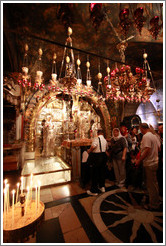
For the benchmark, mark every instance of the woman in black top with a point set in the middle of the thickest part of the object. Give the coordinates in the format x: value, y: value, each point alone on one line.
x: 118, y: 149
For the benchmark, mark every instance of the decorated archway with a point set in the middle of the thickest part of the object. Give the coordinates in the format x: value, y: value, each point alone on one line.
x: 43, y: 99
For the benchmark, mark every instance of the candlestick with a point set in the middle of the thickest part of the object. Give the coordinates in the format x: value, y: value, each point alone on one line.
x: 18, y: 185
x: 22, y: 185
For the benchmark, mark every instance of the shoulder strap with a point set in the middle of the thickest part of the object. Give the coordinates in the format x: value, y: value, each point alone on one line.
x: 100, y: 144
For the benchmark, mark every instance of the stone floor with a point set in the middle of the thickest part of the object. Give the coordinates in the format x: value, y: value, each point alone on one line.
x: 71, y: 216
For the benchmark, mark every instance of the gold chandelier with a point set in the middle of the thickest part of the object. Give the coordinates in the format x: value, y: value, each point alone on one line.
x: 120, y: 84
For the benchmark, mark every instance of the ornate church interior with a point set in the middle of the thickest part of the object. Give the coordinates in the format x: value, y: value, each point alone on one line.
x: 70, y: 69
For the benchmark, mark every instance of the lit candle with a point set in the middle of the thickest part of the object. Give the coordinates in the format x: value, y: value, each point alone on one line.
x: 22, y: 185
x: 88, y: 82
x: 54, y: 76
x: 27, y: 200
x: 39, y: 74
x: 79, y: 81
x: 31, y: 184
x: 39, y: 192
x: 89, y: 116
x: 25, y: 70
x: 13, y: 207
x: 5, y: 195
x: 18, y: 185
x: 13, y: 198
x: 5, y: 182
x: 7, y: 198
x: 4, y: 200
x: 36, y: 194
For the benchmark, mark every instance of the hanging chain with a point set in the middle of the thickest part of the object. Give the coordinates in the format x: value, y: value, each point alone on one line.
x: 109, y: 21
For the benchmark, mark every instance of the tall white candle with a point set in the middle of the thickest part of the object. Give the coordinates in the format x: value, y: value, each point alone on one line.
x: 5, y: 205
x: 27, y: 200
x: 13, y: 192
x: 36, y: 194
x: 89, y: 116
x: 31, y: 184
x: 39, y: 192
x: 4, y: 202
x: 7, y: 198
x: 5, y: 181
x: 22, y: 179
x: 27, y: 197
x: 18, y: 185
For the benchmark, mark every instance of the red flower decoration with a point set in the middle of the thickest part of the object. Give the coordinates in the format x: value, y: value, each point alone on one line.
x: 123, y: 69
x: 138, y: 70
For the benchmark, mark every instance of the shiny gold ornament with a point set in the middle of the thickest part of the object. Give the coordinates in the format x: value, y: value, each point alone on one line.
x: 40, y: 52
x: 99, y: 75
x: 54, y: 56
x: 26, y: 47
x: 88, y: 64
x: 70, y: 31
x: 78, y: 62
x: 145, y: 55
x: 67, y: 59
x: 108, y: 69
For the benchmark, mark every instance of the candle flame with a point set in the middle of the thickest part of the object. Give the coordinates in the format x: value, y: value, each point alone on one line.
x: 13, y: 191
x: 5, y: 181
x: 18, y: 184
x: 39, y: 183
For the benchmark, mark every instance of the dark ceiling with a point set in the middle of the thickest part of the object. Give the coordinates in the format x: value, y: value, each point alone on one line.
x: 50, y: 20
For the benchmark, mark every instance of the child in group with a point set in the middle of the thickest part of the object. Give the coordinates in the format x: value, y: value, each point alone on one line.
x: 135, y: 172
x: 85, y: 172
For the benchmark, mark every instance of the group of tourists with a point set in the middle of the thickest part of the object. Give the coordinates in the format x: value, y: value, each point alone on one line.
x: 135, y: 156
